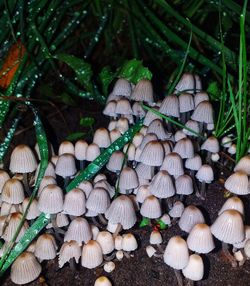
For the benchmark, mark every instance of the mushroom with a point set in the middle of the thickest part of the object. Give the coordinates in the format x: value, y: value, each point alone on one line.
x: 45, y: 247
x: 143, y: 91
x: 78, y: 230
x: 190, y: 217
x: 65, y: 167
x: 122, y: 87
x: 66, y: 147
x: 205, y: 175
x: 102, y: 281
x: 74, y: 203
x: 229, y: 228
x: 194, y: 270
x: 81, y: 147
x: 22, y: 160
x: 97, y: 203
x: 122, y: 212
x: 176, y: 256
x: 150, y: 209
x: 70, y: 251
x: 107, y: 243
x: 91, y: 254
x: 200, y: 239
x: 25, y: 269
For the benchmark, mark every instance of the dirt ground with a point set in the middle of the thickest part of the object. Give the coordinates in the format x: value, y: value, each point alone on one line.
x: 140, y: 269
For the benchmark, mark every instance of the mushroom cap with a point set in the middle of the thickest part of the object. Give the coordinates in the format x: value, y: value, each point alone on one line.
x: 81, y: 147
x: 152, y: 154
x: 106, y: 241
x: 162, y: 185
x: 200, y: 239
x: 190, y: 217
x: 203, y: 113
x: 70, y: 249
x: 205, y: 174
x: 25, y: 269
x: 101, y: 137
x: 122, y: 211
x: 238, y: 183
x: 78, y: 230
x: 51, y: 199
x: 173, y: 164
x: 186, y: 102
x: 66, y: 147
x: 151, y: 207
x: 229, y: 227
x: 184, y: 185
x: 233, y: 203
x: 74, y: 202
x: 195, y: 268
x: 176, y: 253
x: 243, y: 165
x: 143, y: 91
x: 170, y: 106
x: 102, y: 281
x: 91, y: 255
x: 22, y: 160
x: 129, y: 242
x: 65, y: 165
x: 98, y: 200
x: 211, y: 145
x: 122, y: 87
x: 184, y: 148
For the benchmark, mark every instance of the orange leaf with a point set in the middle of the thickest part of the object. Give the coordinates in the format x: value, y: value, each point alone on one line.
x: 11, y: 64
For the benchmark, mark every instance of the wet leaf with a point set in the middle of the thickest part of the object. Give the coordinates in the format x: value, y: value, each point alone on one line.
x: 105, y: 77
x: 134, y: 71
x: 214, y: 91
x: 81, y: 68
x: 87, y: 121
x: 75, y: 136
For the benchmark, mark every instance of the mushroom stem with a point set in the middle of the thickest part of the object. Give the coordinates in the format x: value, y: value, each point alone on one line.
x: 82, y: 164
x: 66, y: 181
x: 182, y: 198
x: 102, y: 219
x: 178, y: 277
x: 72, y: 264
x: 183, y: 117
x: 26, y: 184
x: 228, y: 255
x: 109, y: 257
x: 55, y: 226
x: 96, y: 222
x: 118, y: 229
x: 190, y: 282
x: 127, y: 254
x: 169, y: 203
x: 209, y: 158
x: 160, y: 248
x: 158, y: 255
x: 202, y: 193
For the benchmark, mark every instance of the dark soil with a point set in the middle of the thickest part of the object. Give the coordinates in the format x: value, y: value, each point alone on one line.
x: 139, y: 269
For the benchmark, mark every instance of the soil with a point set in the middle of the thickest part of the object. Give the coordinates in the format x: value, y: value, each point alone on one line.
x: 139, y: 269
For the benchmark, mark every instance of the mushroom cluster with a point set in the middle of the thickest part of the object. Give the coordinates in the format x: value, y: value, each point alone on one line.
x: 147, y: 181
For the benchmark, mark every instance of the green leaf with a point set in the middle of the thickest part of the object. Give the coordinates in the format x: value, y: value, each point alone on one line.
x: 75, y: 136
x: 162, y: 224
x: 87, y: 121
x: 214, y: 90
x: 67, y: 99
x: 144, y: 222
x: 105, y: 77
x: 134, y: 71
x: 82, y: 69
